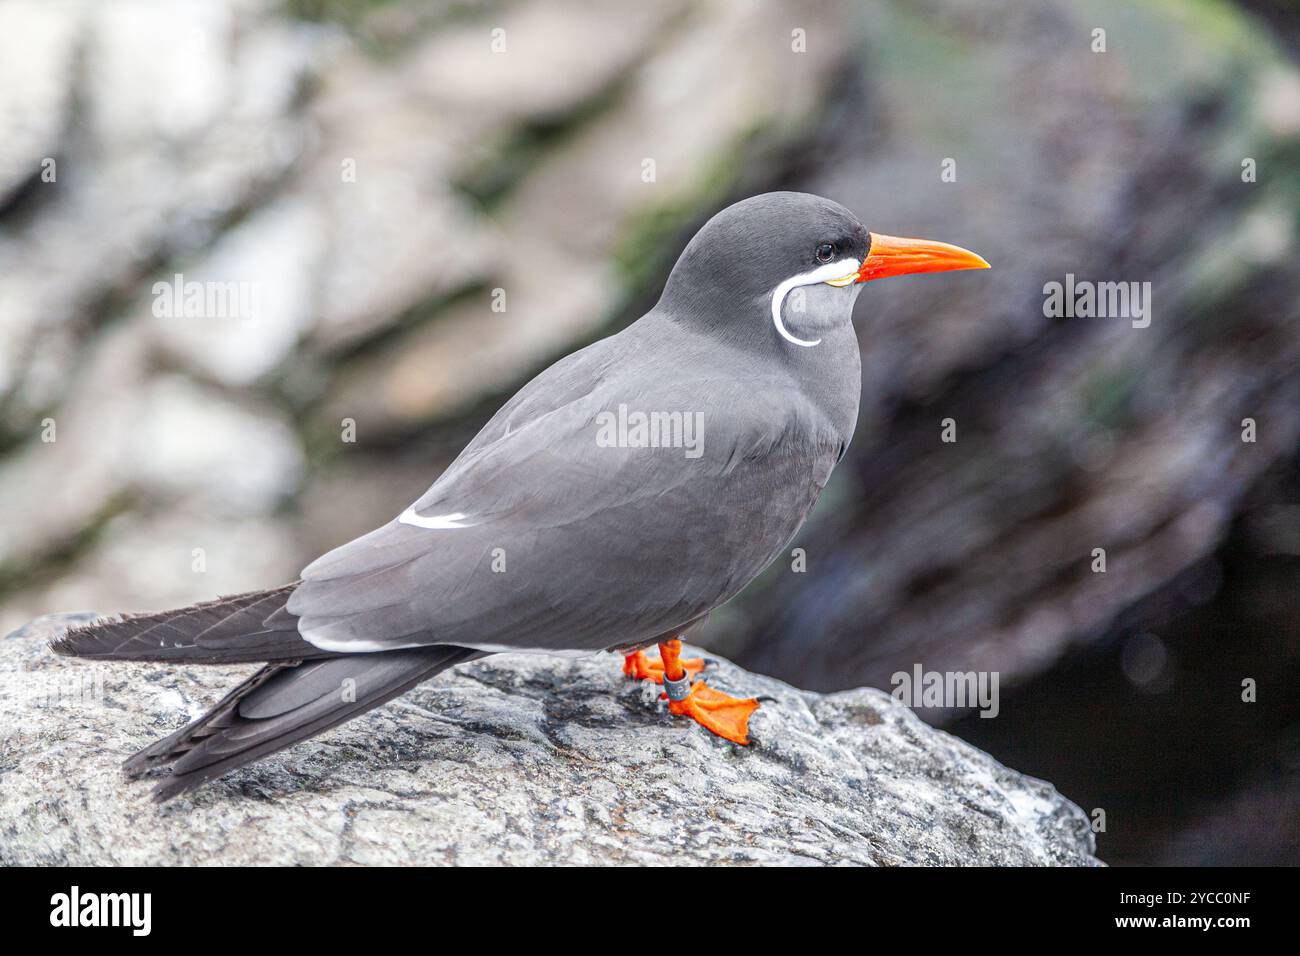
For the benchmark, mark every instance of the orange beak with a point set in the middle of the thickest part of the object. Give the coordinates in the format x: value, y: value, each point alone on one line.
x: 892, y: 256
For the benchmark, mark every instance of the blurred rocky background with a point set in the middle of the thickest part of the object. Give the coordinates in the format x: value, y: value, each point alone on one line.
x: 379, y: 178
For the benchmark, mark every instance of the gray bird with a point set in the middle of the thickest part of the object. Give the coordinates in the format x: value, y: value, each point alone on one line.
x: 617, y: 499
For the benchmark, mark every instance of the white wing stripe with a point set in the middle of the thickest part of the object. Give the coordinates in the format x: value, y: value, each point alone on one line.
x: 435, y: 522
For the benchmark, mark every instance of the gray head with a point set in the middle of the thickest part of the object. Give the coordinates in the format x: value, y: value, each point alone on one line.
x: 741, y: 256
x: 746, y: 261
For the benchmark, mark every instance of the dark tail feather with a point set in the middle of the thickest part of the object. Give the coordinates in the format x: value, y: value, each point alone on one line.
x: 242, y: 629
x: 283, y: 704
x: 166, y: 749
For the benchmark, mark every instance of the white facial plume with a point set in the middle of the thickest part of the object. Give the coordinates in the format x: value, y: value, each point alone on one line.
x: 827, y: 273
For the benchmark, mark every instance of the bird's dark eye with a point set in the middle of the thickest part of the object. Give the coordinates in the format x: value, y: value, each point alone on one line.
x: 825, y: 251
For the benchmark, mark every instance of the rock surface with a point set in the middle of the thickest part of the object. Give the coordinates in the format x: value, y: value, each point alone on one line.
x: 513, y: 759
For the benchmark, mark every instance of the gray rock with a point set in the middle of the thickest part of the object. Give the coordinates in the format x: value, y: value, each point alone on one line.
x: 37, y: 45
x: 268, y: 264
x: 513, y: 759
x: 183, y: 121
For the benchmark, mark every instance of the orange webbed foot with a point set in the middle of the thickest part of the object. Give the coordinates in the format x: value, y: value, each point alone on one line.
x: 724, y: 715
x: 640, y: 667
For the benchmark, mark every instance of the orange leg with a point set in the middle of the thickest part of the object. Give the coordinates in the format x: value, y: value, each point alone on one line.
x: 726, y: 716
x: 640, y: 667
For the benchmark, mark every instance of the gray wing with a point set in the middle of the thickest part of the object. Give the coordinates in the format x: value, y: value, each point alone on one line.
x: 541, y: 539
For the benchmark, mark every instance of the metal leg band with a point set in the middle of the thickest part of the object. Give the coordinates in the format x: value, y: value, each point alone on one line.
x: 678, y: 689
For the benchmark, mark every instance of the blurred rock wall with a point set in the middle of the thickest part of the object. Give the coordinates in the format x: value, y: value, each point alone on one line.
x: 357, y: 182
x: 1073, y: 433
